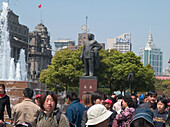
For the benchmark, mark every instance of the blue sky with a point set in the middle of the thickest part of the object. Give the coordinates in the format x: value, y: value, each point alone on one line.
x: 106, y: 18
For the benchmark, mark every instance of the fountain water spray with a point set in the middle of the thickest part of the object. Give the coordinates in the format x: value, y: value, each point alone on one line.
x: 23, y: 65
x: 7, y: 65
x: 12, y: 70
x: 5, y: 49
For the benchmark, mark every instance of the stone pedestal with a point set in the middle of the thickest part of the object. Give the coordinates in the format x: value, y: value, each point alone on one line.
x: 87, y: 84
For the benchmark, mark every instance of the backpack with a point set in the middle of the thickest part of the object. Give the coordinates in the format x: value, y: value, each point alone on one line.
x: 58, y: 115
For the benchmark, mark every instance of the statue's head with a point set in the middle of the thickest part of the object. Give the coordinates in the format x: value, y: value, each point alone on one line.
x: 90, y: 36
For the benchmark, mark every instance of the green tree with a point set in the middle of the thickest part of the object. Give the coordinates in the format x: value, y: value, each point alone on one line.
x: 65, y: 70
x: 115, y: 68
x: 162, y: 85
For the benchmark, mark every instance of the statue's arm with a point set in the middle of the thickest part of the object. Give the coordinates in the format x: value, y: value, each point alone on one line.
x: 97, y: 45
x: 82, y: 53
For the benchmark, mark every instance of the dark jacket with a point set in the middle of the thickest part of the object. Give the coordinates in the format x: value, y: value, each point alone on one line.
x: 84, y: 119
x: 112, y: 117
x: 4, y: 101
x: 147, y: 105
x: 74, y: 112
x: 159, y: 119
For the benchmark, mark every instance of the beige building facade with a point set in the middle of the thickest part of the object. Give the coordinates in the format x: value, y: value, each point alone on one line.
x: 122, y: 43
x: 39, y: 52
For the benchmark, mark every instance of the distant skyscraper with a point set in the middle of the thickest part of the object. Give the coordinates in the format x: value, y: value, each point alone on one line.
x: 122, y: 43
x: 63, y: 43
x: 152, y: 55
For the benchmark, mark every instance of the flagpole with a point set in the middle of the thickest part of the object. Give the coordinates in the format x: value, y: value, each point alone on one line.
x: 40, y: 7
x: 41, y: 13
x: 16, y: 6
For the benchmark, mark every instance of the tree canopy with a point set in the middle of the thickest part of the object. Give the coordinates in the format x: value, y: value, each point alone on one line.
x: 66, y: 69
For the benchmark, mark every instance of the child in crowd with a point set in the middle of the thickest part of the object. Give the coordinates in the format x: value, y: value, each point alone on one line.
x: 37, y: 99
x: 160, y: 114
x: 108, y: 104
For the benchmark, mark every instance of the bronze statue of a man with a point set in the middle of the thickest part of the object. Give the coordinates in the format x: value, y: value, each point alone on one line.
x: 90, y: 55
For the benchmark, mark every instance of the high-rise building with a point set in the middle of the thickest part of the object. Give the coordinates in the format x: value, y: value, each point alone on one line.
x: 152, y: 55
x: 122, y: 43
x: 63, y: 43
x: 39, y: 52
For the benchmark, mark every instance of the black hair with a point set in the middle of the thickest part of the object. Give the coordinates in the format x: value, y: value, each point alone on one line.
x: 145, y: 96
x: 44, y: 95
x: 94, y: 97
x: 163, y: 95
x: 28, y: 93
x: 140, y: 123
x: 163, y: 100
x: 3, y: 86
x: 119, y: 96
x: 134, y: 95
x: 129, y: 101
x: 152, y: 92
x: 103, y: 95
x: 72, y: 96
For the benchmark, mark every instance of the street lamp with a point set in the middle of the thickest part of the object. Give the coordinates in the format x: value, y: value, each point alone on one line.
x: 130, y: 79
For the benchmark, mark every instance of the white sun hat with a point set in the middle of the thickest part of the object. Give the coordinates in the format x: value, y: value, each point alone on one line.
x: 97, y: 114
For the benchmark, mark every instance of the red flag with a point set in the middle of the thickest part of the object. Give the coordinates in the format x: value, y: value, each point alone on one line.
x: 39, y: 6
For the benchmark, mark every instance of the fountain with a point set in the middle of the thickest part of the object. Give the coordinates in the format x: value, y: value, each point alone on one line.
x: 5, y: 51
x: 13, y: 75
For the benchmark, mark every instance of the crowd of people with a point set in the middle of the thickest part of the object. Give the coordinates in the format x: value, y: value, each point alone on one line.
x: 94, y: 109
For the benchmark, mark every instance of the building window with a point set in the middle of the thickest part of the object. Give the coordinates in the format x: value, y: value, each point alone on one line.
x: 15, y: 28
